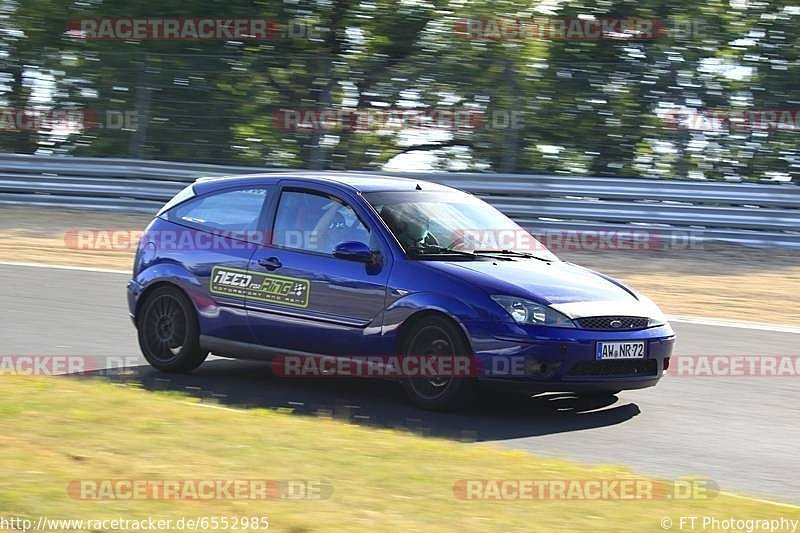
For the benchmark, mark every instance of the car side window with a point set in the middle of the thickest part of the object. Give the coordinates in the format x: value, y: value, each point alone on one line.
x: 235, y: 210
x: 315, y: 222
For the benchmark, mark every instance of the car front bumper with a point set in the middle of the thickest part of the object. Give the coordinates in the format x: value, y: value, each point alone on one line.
x: 558, y: 359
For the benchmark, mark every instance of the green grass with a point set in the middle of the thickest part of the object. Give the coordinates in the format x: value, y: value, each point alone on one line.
x: 56, y: 430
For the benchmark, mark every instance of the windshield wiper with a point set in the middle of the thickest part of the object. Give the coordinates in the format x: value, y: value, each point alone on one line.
x: 513, y: 253
x: 432, y: 249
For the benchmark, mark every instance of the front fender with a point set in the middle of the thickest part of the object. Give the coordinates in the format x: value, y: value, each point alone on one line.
x: 404, y: 308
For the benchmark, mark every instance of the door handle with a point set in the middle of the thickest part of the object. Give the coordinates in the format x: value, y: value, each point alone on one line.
x: 270, y: 263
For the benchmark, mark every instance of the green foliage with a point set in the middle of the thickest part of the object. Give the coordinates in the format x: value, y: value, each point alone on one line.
x: 580, y: 106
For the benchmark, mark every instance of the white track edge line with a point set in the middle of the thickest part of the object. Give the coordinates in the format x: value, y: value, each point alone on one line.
x: 705, y: 321
x: 727, y: 323
x: 65, y: 267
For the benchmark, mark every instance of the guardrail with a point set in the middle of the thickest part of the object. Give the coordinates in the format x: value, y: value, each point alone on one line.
x: 745, y: 213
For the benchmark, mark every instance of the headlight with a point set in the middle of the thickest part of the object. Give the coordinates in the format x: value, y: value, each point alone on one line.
x: 657, y: 318
x: 528, y: 312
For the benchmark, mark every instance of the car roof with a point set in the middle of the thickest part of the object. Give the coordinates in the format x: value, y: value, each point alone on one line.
x: 361, y: 182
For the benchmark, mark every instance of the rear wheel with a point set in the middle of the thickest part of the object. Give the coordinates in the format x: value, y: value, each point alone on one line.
x: 169, y: 336
x: 431, y: 337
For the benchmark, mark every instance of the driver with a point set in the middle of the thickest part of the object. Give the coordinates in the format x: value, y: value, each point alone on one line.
x: 409, y: 225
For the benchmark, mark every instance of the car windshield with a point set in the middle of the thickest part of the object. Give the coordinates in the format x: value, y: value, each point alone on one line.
x: 428, y: 223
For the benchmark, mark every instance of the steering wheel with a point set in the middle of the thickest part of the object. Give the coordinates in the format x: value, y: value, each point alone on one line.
x: 336, y: 226
x: 337, y: 222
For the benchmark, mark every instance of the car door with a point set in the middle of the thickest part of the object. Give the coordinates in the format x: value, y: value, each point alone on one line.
x: 319, y: 303
x: 213, y: 236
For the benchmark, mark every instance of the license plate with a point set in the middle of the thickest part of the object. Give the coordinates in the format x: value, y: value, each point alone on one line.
x: 620, y: 350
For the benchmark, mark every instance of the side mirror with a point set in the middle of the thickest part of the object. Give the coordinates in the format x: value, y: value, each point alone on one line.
x: 354, y: 251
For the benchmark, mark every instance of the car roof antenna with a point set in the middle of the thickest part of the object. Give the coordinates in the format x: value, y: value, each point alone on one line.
x: 418, y: 187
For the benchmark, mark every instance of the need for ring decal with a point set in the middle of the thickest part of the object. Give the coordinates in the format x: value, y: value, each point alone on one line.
x: 269, y: 288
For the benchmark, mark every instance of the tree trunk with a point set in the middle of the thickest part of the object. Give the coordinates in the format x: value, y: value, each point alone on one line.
x: 136, y: 147
x: 22, y: 142
x: 511, y: 133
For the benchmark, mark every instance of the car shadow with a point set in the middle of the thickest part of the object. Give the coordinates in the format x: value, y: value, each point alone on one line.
x: 495, y: 415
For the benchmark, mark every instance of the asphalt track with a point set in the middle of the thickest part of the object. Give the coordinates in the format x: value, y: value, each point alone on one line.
x: 742, y: 433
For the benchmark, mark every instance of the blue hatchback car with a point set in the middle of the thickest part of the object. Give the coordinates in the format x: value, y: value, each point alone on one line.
x: 342, y: 265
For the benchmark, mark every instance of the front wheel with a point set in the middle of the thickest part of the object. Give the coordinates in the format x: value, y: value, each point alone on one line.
x: 169, y: 336
x: 431, y: 337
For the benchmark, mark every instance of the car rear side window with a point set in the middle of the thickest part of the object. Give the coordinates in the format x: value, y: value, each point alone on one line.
x: 235, y: 210
x: 316, y: 222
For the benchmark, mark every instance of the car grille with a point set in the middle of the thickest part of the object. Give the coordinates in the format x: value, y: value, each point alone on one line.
x: 619, y: 322
x: 615, y: 367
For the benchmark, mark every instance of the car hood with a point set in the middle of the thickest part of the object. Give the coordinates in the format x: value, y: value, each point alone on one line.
x: 571, y: 289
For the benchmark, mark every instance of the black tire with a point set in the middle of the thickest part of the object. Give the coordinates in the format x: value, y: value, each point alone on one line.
x: 169, y: 336
x: 436, y: 335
